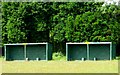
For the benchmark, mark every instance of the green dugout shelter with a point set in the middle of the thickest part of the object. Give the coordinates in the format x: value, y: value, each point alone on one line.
x: 28, y: 51
x: 90, y: 51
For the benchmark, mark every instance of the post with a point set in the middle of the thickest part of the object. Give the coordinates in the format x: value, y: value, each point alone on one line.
x: 94, y: 59
x: 66, y: 52
x: 25, y: 52
x: 111, y: 51
x: 37, y: 59
x: 46, y: 51
x: 83, y: 59
x: 5, y: 52
x: 88, y: 51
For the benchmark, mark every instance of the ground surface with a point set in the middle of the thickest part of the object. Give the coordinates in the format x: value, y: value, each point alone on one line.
x: 60, y: 66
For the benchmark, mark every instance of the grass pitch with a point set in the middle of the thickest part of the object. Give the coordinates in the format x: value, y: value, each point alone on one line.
x: 60, y: 66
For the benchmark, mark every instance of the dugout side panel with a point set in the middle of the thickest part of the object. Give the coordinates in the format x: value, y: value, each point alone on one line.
x: 114, y: 51
x: 49, y: 52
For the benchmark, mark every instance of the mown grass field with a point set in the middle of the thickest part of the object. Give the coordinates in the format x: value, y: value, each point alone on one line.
x: 60, y: 66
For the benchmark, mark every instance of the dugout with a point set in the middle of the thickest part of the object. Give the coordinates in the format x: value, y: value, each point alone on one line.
x: 28, y: 51
x: 90, y: 51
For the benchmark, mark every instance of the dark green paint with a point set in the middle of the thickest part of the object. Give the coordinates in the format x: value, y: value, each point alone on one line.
x: 33, y: 51
x: 49, y: 51
x: 77, y: 52
x: 114, y: 51
x: 36, y: 51
x: 15, y: 52
x: 99, y: 51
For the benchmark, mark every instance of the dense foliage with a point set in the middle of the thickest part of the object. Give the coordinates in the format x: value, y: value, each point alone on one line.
x: 60, y: 22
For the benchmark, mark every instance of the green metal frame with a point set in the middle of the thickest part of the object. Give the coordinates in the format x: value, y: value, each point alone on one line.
x: 88, y: 53
x: 25, y: 52
x: 111, y: 55
x: 111, y: 51
x: 48, y: 53
x: 5, y: 51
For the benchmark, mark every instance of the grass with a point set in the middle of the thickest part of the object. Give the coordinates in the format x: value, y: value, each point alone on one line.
x: 60, y: 66
x: 58, y: 56
x: 118, y: 58
x: 1, y: 58
x: 55, y: 66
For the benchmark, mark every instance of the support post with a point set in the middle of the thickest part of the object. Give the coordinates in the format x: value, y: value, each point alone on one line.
x: 111, y: 51
x: 25, y: 52
x: 66, y: 52
x: 5, y: 53
x: 88, y: 52
x: 46, y: 51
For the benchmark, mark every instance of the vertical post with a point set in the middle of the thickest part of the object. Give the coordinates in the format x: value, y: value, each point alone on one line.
x: 111, y: 51
x: 46, y: 51
x: 66, y: 52
x: 5, y: 52
x: 88, y: 52
x: 25, y: 51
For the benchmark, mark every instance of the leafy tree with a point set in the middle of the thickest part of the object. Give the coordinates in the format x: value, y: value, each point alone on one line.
x: 59, y: 22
